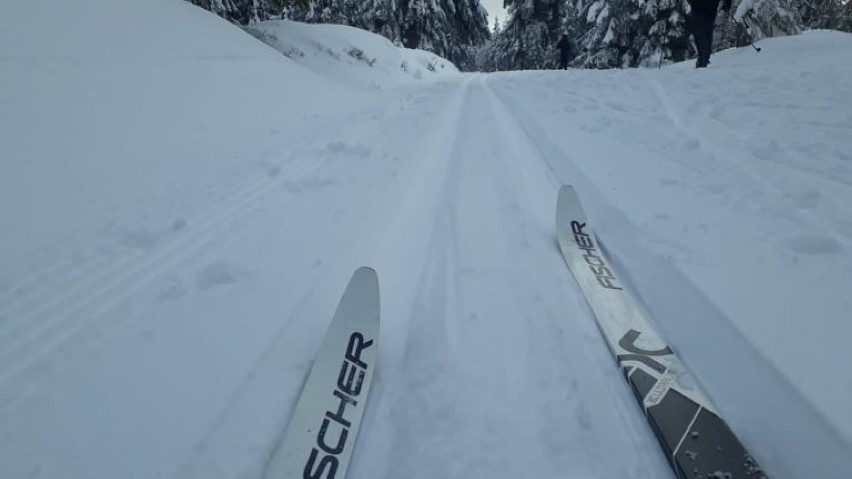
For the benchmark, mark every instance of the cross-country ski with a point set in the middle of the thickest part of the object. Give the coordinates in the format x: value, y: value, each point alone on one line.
x: 697, y: 442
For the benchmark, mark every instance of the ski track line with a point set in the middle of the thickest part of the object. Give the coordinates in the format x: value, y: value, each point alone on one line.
x: 94, y: 274
x: 238, y: 397
x: 228, y: 184
x: 409, y: 212
x: 452, y: 283
x: 791, y: 212
x: 216, y: 431
x: 192, y: 202
x: 200, y: 200
x: 55, y: 270
x: 247, y: 184
x: 648, y: 459
x: 440, y: 295
x: 149, y: 270
x: 125, y: 269
x: 21, y: 292
x: 88, y: 332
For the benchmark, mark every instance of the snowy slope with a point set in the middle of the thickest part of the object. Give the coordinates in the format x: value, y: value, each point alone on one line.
x: 352, y: 56
x: 182, y: 207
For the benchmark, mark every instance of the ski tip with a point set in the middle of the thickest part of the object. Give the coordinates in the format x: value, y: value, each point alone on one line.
x: 566, y: 191
x: 362, y: 292
x: 566, y: 203
x: 367, y: 273
x: 365, y: 279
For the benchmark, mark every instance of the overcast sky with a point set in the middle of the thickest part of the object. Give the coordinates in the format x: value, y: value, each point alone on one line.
x: 495, y: 9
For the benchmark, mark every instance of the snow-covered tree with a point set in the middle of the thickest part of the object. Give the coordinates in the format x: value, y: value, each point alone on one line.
x: 768, y: 18
x: 604, y: 33
x: 846, y: 17
x: 627, y: 33
x: 529, y: 38
x: 345, y: 12
x: 238, y: 11
x: 453, y: 29
x: 826, y: 14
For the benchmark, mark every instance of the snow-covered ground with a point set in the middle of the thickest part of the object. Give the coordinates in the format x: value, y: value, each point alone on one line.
x: 182, y: 206
x: 351, y: 56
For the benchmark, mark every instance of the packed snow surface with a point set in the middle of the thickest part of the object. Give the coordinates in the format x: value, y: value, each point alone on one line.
x: 182, y: 206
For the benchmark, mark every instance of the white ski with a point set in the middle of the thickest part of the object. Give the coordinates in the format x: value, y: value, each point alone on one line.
x: 696, y: 441
x: 320, y: 437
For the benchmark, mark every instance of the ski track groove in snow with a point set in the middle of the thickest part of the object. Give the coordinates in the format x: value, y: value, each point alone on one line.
x: 78, y: 318
x: 628, y: 435
x: 61, y: 267
x: 88, y: 311
x: 494, y: 350
x: 195, y: 206
x: 62, y: 273
x: 407, y: 234
x: 383, y: 218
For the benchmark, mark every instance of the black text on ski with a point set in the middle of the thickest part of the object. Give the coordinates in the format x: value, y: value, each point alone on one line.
x: 593, y: 259
x: 323, y: 461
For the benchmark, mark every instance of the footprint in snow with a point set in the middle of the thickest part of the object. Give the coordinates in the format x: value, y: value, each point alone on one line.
x: 137, y: 238
x: 814, y: 245
x: 219, y: 273
x: 178, y: 224
x: 272, y: 170
x: 307, y: 184
x: 339, y: 147
x: 692, y: 144
x: 171, y: 288
x: 808, y: 199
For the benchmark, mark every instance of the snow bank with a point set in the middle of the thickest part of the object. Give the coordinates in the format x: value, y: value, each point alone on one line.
x: 133, y: 135
x: 350, y: 55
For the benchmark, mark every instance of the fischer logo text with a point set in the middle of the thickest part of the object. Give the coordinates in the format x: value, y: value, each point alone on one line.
x: 323, y: 461
x: 593, y: 258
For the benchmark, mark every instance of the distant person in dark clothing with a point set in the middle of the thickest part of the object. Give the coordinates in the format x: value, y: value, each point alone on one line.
x: 564, y: 51
x: 702, y: 20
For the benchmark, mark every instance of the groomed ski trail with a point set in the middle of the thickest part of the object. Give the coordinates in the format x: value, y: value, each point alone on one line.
x: 175, y: 346
x: 494, y: 386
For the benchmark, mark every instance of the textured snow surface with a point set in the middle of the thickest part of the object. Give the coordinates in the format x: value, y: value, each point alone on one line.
x: 366, y: 59
x: 181, y: 207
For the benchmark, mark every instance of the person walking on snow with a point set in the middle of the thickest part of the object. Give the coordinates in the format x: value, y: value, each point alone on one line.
x: 564, y: 46
x: 703, y: 18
